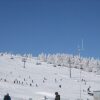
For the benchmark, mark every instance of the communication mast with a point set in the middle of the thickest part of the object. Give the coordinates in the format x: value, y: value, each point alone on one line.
x: 80, y: 49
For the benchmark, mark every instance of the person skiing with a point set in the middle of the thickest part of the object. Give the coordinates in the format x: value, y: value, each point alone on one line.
x: 88, y: 90
x: 57, y: 96
x: 7, y: 97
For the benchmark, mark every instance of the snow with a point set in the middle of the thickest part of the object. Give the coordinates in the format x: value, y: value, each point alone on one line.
x: 38, y: 80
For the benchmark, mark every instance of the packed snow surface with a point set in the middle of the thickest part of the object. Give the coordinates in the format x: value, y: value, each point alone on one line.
x: 37, y: 79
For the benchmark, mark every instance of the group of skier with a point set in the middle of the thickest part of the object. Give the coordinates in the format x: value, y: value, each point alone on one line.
x: 57, y: 96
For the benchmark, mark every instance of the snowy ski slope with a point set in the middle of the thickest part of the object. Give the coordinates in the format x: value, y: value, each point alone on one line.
x: 39, y: 79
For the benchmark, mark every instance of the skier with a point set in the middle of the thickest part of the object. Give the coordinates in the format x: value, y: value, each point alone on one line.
x: 7, y: 97
x: 88, y: 90
x: 59, y: 86
x: 45, y: 98
x: 57, y: 97
x: 55, y: 80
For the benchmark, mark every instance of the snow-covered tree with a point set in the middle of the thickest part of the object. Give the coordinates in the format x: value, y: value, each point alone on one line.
x: 42, y: 57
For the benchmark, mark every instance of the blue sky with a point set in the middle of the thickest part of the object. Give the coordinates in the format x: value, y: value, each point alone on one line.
x: 50, y: 26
